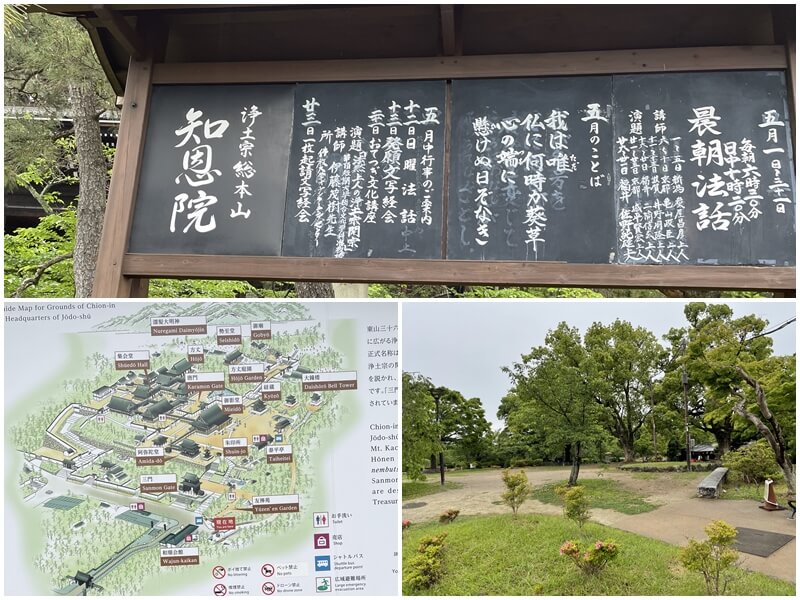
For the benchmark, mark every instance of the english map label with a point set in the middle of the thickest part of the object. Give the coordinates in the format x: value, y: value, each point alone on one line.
x: 324, y: 382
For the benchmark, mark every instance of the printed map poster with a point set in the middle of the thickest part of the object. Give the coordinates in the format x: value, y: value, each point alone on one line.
x: 237, y: 448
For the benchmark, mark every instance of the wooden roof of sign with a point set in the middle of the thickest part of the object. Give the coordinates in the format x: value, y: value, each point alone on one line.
x: 202, y: 33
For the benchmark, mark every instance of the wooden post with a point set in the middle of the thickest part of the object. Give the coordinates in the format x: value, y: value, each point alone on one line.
x: 109, y: 280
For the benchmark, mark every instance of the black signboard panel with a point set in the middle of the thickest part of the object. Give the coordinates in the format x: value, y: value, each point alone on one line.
x: 672, y: 168
x: 531, y: 171
x: 213, y: 175
x: 366, y: 171
x: 704, y: 169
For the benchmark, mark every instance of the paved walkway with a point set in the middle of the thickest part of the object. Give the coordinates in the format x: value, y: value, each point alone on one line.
x: 680, y: 514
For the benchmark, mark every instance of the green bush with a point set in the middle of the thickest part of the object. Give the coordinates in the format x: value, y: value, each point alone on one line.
x: 517, y: 489
x: 753, y: 463
x: 592, y: 559
x: 576, y: 505
x: 449, y: 515
x: 676, y: 450
x: 520, y: 462
x: 425, y: 568
x: 714, y: 558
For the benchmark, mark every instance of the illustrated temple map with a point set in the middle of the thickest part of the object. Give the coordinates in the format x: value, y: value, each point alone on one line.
x: 231, y: 448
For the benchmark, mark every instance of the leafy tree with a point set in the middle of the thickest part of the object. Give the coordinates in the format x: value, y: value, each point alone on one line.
x: 420, y: 430
x: 676, y: 450
x: 51, y: 68
x: 625, y: 360
x: 462, y: 423
x: 733, y: 359
x: 508, y: 445
x: 707, y: 411
x: 37, y: 259
x: 552, y: 392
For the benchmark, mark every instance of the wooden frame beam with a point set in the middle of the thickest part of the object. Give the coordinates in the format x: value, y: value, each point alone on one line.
x: 448, y: 26
x: 109, y: 280
x: 393, y: 270
x: 461, y: 67
x: 122, y: 31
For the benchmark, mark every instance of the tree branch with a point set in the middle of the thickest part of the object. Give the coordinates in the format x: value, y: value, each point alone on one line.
x: 31, y: 281
x: 779, y: 442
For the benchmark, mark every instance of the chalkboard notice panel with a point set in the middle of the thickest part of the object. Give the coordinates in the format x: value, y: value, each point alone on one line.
x: 213, y: 175
x: 672, y: 168
x: 366, y: 171
x: 703, y: 169
x: 531, y: 171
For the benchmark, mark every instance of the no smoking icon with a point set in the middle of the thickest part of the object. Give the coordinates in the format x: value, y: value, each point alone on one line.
x: 220, y: 590
x: 267, y: 570
x: 218, y: 572
x: 268, y: 588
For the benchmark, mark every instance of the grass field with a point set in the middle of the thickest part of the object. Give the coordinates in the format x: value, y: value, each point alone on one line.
x: 417, y: 489
x: 667, y: 476
x: 664, y: 466
x: 602, y: 493
x: 744, y: 491
x: 500, y: 555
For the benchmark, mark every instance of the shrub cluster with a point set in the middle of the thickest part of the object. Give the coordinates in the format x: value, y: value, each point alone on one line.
x: 714, y: 558
x: 753, y: 463
x: 517, y: 489
x: 449, y: 515
x: 592, y: 559
x: 425, y: 568
x: 576, y: 504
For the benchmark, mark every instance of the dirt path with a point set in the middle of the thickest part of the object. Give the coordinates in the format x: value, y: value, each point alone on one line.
x: 680, y: 514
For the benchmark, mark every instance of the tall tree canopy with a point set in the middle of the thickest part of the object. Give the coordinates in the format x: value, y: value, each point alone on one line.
x: 462, y: 423
x: 733, y: 359
x: 551, y: 391
x: 625, y: 361
x: 420, y: 430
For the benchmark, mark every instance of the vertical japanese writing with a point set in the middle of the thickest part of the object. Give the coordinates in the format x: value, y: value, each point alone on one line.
x: 520, y: 165
x: 378, y: 174
x: 483, y: 163
x: 650, y: 189
x: 244, y: 169
x: 562, y: 163
x: 197, y: 172
x: 729, y: 178
x: 779, y: 190
x: 307, y: 161
x: 598, y: 177
x: 356, y: 149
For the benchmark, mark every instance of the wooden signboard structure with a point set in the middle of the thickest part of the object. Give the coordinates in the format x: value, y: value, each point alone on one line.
x: 655, y: 168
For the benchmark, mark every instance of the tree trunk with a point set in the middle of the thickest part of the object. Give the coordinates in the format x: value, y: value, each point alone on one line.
x: 92, y: 185
x: 311, y: 289
x: 722, y: 432
x: 771, y: 431
x: 576, y: 465
x: 627, y: 449
x: 723, y: 442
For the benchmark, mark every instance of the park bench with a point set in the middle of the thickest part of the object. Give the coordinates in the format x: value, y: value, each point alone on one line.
x: 709, y: 487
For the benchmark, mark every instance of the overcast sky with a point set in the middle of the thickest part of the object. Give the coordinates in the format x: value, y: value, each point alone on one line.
x: 463, y: 344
